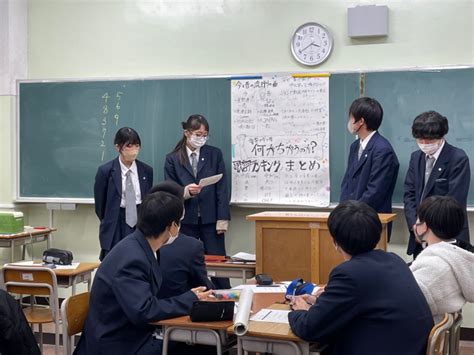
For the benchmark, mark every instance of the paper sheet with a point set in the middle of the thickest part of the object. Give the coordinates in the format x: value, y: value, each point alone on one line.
x: 210, y: 180
x: 241, y: 256
x: 241, y: 320
x: 262, y: 289
x: 73, y: 266
x: 271, y: 316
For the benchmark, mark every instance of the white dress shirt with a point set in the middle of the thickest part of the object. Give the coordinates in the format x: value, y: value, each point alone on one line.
x: 135, y: 182
x: 364, y: 142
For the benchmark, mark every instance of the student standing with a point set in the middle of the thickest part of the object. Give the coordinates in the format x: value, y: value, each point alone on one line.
x: 207, y: 209
x: 371, y: 303
x: 119, y: 187
x: 443, y: 269
x: 437, y: 168
x: 372, y: 166
x: 123, y: 299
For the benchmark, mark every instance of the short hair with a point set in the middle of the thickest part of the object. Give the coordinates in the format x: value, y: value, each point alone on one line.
x: 443, y: 215
x: 355, y: 227
x: 429, y: 125
x: 170, y: 187
x: 369, y: 109
x: 126, y: 135
x: 157, y: 211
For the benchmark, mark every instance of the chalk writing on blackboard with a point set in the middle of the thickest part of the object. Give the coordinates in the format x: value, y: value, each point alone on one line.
x: 280, y: 130
x: 105, y: 112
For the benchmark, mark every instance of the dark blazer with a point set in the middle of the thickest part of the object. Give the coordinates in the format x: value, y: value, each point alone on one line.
x: 451, y: 176
x: 213, y: 200
x: 16, y: 336
x: 124, y: 300
x: 371, y: 305
x: 371, y: 179
x: 183, y: 267
x: 108, y: 193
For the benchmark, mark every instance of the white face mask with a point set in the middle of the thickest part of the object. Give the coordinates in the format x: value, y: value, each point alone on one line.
x: 197, y: 142
x: 350, y: 127
x: 172, y: 238
x: 430, y: 148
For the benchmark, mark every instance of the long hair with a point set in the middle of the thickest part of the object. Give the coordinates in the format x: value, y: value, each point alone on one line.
x: 194, y: 122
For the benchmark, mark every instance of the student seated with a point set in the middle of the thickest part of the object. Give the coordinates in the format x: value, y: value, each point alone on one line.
x: 444, y: 268
x: 123, y: 299
x: 182, y: 261
x: 371, y: 303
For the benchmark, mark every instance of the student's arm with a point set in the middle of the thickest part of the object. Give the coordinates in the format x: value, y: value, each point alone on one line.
x: 223, y: 211
x: 459, y: 180
x: 170, y: 170
x: 100, y: 193
x: 409, y: 197
x: 334, y: 309
x: 132, y: 289
x: 198, y: 268
x: 384, y: 171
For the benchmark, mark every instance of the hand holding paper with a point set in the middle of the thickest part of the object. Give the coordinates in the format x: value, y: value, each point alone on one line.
x: 210, y: 180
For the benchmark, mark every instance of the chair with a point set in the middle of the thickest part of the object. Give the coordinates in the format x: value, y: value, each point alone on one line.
x: 35, y: 281
x: 73, y: 313
x: 438, y: 341
x: 455, y: 334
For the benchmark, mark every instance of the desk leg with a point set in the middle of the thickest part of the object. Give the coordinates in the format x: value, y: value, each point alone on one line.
x: 12, y: 250
x: 239, y: 347
x: 48, y: 241
x: 73, y: 285
x: 244, y: 277
x: 166, y: 339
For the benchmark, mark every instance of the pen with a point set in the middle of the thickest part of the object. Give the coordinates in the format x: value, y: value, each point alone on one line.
x: 265, y: 316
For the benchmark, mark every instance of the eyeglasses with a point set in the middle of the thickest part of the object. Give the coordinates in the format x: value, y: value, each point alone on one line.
x: 200, y: 135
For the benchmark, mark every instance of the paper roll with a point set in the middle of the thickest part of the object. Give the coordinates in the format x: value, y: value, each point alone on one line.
x: 241, y: 321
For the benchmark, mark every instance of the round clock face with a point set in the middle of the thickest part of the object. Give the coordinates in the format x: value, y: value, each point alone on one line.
x: 311, y: 44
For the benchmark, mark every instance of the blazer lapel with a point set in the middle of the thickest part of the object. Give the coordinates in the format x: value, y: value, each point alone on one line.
x: 421, y: 181
x: 187, y: 165
x: 438, y: 169
x: 203, y: 158
x: 365, y: 153
x: 141, y: 178
x: 117, y: 175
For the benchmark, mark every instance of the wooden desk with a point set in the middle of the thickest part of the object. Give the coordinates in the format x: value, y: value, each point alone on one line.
x: 205, y: 333
x: 24, y: 238
x: 237, y: 270
x: 274, y: 338
x: 83, y: 273
x: 298, y: 244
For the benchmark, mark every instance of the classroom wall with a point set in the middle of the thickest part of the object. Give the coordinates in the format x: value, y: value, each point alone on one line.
x: 131, y: 38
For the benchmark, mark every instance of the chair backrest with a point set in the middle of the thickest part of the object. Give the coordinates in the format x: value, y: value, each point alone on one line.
x: 73, y: 313
x: 438, y: 341
x: 34, y: 281
x: 455, y: 334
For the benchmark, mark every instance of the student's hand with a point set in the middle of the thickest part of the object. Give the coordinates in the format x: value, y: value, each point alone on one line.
x: 298, y: 303
x: 193, y: 189
x: 221, y: 226
x: 309, y: 298
x: 201, y: 292
x: 319, y: 292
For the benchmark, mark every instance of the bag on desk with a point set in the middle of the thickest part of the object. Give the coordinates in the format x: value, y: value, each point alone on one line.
x: 57, y: 256
x: 210, y: 311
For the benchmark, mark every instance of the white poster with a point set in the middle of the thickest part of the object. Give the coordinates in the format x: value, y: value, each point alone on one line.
x: 280, y: 141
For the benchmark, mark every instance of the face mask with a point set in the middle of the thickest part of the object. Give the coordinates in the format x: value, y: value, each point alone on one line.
x: 350, y: 127
x: 420, y: 237
x: 172, y: 238
x: 130, y: 155
x: 430, y: 148
x: 197, y: 142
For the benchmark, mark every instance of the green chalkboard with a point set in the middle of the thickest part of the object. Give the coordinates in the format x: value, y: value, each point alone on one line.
x: 62, y: 139
x: 67, y: 128
x: 404, y: 95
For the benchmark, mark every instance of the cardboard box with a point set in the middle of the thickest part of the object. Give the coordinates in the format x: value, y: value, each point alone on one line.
x: 11, y: 222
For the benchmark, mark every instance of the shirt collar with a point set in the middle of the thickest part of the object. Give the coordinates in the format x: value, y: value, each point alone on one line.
x: 124, y: 169
x: 189, y: 151
x: 438, y: 152
x: 364, y: 142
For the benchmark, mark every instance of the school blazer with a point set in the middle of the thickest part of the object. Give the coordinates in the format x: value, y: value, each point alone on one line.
x: 108, y: 193
x: 371, y: 179
x: 451, y: 176
x: 183, y: 267
x: 371, y: 305
x: 123, y: 300
x: 213, y: 201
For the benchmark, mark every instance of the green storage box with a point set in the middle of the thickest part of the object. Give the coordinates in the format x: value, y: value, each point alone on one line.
x: 11, y: 222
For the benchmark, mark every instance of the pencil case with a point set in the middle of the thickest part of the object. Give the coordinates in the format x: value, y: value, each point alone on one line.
x: 211, y: 311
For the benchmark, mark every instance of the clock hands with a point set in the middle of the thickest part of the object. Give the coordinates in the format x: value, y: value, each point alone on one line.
x: 309, y: 45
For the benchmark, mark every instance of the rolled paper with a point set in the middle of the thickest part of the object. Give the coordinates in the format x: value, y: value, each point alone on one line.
x: 241, y: 321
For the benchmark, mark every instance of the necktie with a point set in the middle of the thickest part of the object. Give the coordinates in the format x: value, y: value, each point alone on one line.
x: 130, y: 201
x: 429, y: 167
x: 194, y: 163
x: 359, y: 153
